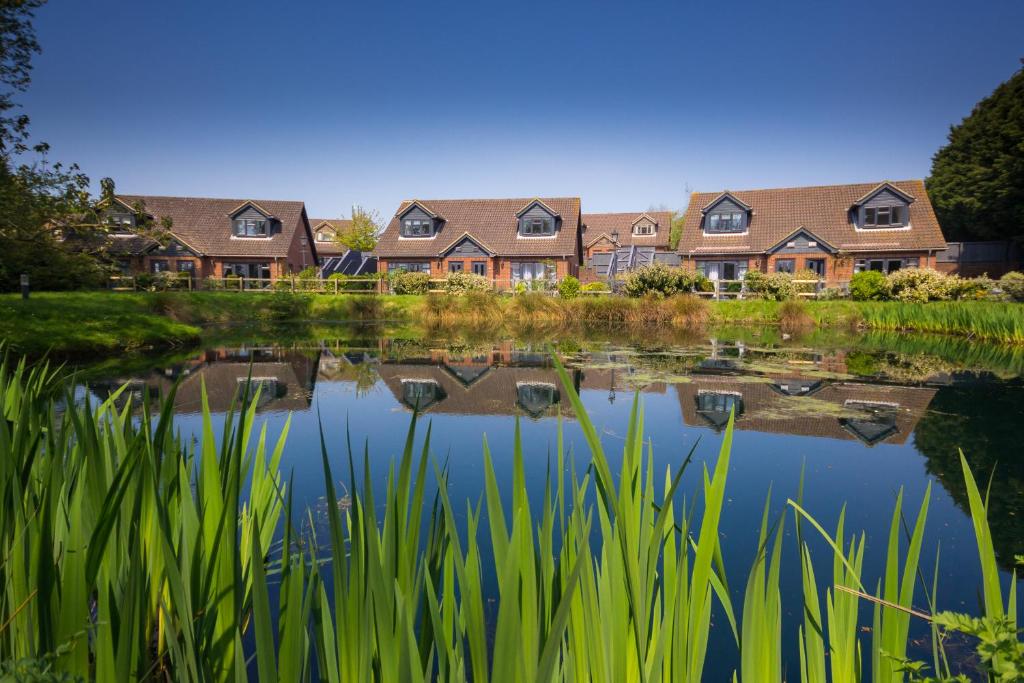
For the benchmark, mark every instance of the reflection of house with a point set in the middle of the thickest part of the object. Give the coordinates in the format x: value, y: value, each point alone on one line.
x: 871, y: 413
x: 468, y: 389
x: 285, y: 380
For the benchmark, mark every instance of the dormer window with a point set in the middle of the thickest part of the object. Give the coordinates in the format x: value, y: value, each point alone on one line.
x: 417, y: 227
x: 724, y: 221
x: 538, y: 226
x: 324, y: 236
x: 883, y: 217
x: 119, y: 222
x: 251, y: 227
x: 643, y: 229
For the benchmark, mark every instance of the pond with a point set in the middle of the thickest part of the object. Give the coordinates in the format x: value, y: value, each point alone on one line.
x: 857, y: 416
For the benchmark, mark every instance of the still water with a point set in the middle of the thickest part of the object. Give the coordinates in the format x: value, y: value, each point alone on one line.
x: 858, y: 417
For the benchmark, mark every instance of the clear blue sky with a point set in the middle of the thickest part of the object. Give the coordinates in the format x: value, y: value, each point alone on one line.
x: 625, y: 104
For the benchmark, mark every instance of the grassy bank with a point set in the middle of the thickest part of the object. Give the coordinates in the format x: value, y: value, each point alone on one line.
x: 101, y: 321
x: 130, y: 554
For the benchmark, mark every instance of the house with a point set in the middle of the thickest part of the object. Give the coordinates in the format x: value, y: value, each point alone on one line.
x: 615, y: 243
x: 334, y: 257
x: 833, y: 230
x: 505, y: 240
x: 249, y: 238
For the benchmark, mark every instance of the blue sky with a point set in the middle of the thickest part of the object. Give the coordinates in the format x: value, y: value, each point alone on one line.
x: 627, y: 105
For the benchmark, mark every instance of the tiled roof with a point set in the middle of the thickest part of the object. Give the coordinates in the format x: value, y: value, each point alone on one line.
x: 340, y: 225
x: 491, y: 222
x: 597, y: 224
x: 204, y: 224
x: 822, y: 210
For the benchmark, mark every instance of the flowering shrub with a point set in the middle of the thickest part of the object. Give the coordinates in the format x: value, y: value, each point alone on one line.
x: 771, y: 286
x: 970, y: 287
x: 659, y: 280
x: 1012, y: 285
x: 460, y: 283
x: 869, y: 285
x: 918, y: 285
x: 569, y: 287
x: 598, y: 286
x: 404, y: 282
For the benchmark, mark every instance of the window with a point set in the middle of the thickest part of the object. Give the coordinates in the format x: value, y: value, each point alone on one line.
x: 816, y: 266
x: 643, y: 229
x: 480, y: 268
x: 536, y: 397
x: 528, y: 272
x: 250, y: 227
x: 119, y: 222
x: 417, y: 227
x: 413, y: 267
x: 538, y: 226
x: 455, y: 266
x: 324, y: 236
x: 186, y: 266
x: 722, y: 270
x: 158, y: 266
x: 785, y: 265
x: 884, y: 265
x: 883, y: 216
x: 250, y: 271
x: 721, y: 221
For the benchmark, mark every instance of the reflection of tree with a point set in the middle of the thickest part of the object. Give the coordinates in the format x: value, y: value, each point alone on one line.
x: 984, y: 420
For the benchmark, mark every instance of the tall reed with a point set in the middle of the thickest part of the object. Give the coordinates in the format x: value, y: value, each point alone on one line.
x: 128, y: 554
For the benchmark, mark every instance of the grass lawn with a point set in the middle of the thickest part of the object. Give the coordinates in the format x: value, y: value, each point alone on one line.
x: 87, y: 322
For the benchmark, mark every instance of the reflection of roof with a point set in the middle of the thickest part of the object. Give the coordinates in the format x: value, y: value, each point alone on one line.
x: 494, y: 392
x: 286, y: 383
x: 872, y: 413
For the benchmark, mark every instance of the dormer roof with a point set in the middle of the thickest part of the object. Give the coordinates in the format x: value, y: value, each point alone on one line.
x: 250, y: 204
x: 642, y: 216
x: 885, y: 185
x: 537, y: 202
x: 417, y: 204
x: 822, y: 243
x: 466, y: 236
x: 723, y: 196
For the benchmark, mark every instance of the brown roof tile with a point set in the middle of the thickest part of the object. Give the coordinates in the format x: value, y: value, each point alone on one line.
x: 491, y: 222
x: 204, y: 224
x: 822, y: 210
x: 597, y: 224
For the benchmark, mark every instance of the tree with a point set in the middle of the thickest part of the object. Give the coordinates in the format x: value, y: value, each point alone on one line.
x: 977, y: 180
x: 366, y: 227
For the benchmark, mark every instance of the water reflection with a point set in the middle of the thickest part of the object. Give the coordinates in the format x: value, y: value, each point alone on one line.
x: 865, y: 396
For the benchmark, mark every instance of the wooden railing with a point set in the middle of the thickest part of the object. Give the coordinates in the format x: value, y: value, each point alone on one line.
x: 737, y: 289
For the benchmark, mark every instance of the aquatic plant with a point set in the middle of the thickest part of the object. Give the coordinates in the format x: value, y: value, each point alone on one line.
x: 127, y: 554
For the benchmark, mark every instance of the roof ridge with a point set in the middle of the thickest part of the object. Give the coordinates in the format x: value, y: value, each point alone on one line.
x: 811, y: 187
x: 218, y: 199
x: 488, y: 199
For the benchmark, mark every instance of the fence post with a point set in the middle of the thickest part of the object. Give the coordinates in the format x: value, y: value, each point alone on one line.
x: 335, y: 286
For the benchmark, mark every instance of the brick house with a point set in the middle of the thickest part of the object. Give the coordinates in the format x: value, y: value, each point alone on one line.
x: 607, y: 232
x: 505, y: 240
x: 261, y: 239
x: 325, y: 230
x: 832, y: 230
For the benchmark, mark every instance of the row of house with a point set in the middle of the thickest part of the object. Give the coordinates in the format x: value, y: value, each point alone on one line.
x: 832, y: 231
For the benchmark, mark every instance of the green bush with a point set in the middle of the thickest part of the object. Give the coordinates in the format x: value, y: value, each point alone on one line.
x: 404, y: 282
x: 771, y: 286
x: 1012, y: 285
x: 598, y: 286
x: 869, y: 285
x: 661, y: 281
x: 460, y: 283
x: 918, y: 285
x: 569, y: 287
x: 970, y: 288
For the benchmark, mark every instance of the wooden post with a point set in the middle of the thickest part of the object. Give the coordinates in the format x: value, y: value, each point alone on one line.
x: 335, y: 286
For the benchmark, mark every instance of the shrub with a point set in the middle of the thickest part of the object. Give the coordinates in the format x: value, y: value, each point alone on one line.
x: 793, y: 316
x: 598, y: 286
x: 918, y: 285
x: 1012, y: 285
x: 404, y: 282
x: 771, y: 286
x: 972, y: 288
x: 569, y: 287
x: 460, y: 283
x: 869, y: 285
x: 659, y: 280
